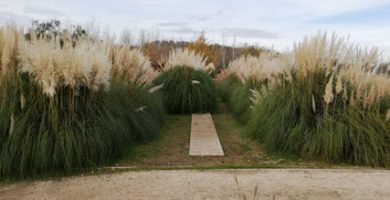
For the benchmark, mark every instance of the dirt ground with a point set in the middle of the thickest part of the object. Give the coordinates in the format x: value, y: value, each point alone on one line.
x: 171, y: 150
x: 211, y: 184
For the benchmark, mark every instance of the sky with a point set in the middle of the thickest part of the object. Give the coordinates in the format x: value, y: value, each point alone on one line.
x: 273, y: 23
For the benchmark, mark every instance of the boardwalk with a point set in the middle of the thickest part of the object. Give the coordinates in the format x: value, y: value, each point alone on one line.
x: 204, y: 137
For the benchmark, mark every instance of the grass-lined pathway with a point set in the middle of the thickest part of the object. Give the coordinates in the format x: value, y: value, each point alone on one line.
x: 204, y: 138
x: 171, y: 149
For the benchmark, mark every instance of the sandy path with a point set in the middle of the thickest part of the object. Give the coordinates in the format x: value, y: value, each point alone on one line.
x: 212, y: 184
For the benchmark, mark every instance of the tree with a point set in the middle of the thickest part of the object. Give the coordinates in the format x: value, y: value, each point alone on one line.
x: 52, y: 29
x: 200, y: 46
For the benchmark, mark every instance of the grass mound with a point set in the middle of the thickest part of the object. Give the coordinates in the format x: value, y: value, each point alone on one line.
x: 186, y: 90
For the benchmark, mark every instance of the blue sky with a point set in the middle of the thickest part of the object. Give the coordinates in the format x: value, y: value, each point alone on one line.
x: 277, y: 23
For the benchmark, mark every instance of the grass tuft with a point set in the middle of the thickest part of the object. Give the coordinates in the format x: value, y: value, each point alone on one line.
x: 186, y: 90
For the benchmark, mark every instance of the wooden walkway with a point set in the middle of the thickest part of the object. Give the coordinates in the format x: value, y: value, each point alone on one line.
x: 204, y: 137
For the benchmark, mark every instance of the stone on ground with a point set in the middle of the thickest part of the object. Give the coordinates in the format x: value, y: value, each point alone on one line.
x: 204, y: 138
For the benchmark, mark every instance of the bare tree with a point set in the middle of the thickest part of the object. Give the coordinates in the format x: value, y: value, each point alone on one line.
x: 142, y: 37
x: 126, y: 37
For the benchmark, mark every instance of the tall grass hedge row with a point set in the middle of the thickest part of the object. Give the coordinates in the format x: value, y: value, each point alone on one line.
x: 238, y: 96
x: 62, y: 109
x: 328, y: 105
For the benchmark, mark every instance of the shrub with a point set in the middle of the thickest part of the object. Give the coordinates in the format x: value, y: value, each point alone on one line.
x: 132, y: 76
x: 246, y: 75
x: 67, y: 107
x: 186, y: 90
x: 56, y: 113
x: 284, y: 121
x: 186, y: 83
x: 329, y: 106
x: 238, y: 96
x: 226, y: 85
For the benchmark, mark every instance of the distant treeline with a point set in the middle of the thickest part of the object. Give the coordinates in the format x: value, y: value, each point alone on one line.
x: 156, y: 50
x: 219, y: 55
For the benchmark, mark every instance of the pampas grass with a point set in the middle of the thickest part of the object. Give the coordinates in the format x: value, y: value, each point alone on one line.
x: 248, y: 73
x: 58, y: 119
x: 186, y: 83
x: 259, y: 68
x: 186, y: 90
x: 131, y: 66
x: 132, y: 77
x: 188, y: 58
x: 238, y: 95
x: 68, y: 106
x: 73, y: 67
x: 331, y: 107
x: 9, y: 38
x: 325, y: 101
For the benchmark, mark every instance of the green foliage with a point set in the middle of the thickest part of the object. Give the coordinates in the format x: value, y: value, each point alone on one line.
x: 72, y: 129
x: 141, y: 110
x: 52, y: 29
x: 284, y: 121
x: 226, y: 86
x: 186, y: 90
x: 238, y: 96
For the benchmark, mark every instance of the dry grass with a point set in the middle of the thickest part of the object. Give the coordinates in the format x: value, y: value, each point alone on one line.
x: 131, y: 66
x: 330, y: 105
x: 259, y: 68
x: 9, y: 43
x: 63, y: 107
x: 70, y: 66
x: 189, y: 58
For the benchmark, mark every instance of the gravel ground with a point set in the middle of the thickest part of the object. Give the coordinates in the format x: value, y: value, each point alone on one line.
x: 211, y: 184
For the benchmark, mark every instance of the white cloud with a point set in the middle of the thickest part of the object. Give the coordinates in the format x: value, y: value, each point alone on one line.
x: 275, y: 23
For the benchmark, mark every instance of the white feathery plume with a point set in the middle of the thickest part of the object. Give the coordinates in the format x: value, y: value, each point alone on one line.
x: 71, y: 66
x: 260, y: 67
x: 22, y: 101
x: 328, y: 96
x: 186, y: 58
x: 194, y: 82
x: 255, y: 96
x: 131, y: 65
x: 140, y: 109
x: 9, y: 38
x: 156, y: 88
x: 339, y: 85
x: 313, y: 104
x: 388, y: 115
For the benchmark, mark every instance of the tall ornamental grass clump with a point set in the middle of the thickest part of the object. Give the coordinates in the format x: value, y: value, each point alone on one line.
x: 246, y: 75
x: 330, y: 106
x: 9, y: 39
x: 132, y: 83
x: 53, y: 115
x: 64, y: 107
x: 186, y: 84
